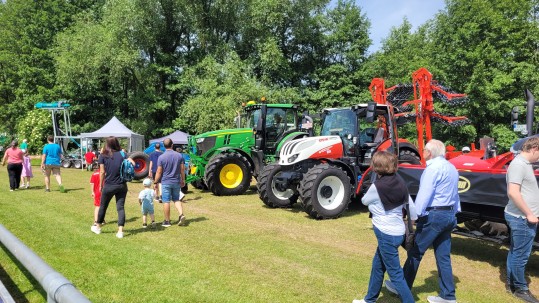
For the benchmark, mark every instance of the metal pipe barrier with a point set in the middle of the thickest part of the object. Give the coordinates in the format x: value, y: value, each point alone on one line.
x: 58, y: 288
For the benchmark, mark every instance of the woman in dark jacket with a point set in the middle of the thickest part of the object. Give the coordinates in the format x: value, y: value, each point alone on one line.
x: 111, y: 184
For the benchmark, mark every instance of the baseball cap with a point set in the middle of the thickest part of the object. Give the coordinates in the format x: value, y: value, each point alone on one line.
x: 466, y: 149
x: 147, y: 182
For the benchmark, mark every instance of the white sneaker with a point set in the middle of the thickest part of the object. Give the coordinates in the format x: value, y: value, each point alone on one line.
x: 119, y: 235
x: 95, y: 229
x: 436, y: 299
x: 359, y: 301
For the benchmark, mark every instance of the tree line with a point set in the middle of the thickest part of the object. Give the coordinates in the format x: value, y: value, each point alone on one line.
x: 162, y: 65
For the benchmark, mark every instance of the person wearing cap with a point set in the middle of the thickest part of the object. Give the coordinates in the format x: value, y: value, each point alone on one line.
x: 465, y: 150
x: 14, y: 158
x: 145, y: 199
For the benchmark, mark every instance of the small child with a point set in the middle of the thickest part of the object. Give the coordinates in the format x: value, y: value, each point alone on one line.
x: 26, y: 173
x: 96, y: 193
x: 145, y: 199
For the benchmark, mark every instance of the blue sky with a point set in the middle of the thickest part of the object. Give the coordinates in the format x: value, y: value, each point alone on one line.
x: 384, y: 14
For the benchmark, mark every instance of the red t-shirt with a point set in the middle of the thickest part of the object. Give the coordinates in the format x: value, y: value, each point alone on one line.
x: 89, y: 156
x: 94, y: 179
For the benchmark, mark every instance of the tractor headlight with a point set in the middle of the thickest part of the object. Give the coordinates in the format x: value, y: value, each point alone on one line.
x: 293, y: 158
x: 200, y: 140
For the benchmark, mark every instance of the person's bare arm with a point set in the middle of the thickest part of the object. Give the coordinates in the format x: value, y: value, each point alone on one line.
x: 513, y: 192
x: 182, y: 174
x: 158, y: 174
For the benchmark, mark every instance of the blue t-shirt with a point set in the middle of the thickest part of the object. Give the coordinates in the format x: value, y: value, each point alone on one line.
x: 153, y: 158
x: 53, y: 154
x: 170, y: 161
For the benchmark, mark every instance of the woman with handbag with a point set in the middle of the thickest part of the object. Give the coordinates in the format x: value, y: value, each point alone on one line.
x: 385, y: 199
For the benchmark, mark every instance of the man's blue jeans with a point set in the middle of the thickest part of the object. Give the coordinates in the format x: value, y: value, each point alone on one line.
x: 522, y: 235
x: 434, y: 229
x: 385, y: 259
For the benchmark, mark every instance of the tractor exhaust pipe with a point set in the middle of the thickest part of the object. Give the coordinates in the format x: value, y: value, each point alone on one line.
x: 529, y: 112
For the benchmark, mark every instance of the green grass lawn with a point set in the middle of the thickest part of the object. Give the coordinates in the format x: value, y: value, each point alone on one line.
x: 233, y: 249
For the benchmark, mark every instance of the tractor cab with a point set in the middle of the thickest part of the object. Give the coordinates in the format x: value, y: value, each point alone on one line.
x: 362, y: 128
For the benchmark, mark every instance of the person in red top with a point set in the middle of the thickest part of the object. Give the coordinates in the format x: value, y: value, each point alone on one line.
x: 89, y: 157
x: 14, y: 157
x: 96, y: 192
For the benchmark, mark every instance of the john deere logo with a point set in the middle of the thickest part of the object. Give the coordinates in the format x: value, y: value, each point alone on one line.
x: 464, y: 184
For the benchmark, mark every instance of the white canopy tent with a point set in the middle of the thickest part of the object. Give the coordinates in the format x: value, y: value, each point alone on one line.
x: 117, y: 129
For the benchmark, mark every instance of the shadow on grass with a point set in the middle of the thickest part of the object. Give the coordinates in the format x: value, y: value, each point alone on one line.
x: 10, y: 285
x: 493, y: 253
x: 159, y: 227
x: 430, y: 285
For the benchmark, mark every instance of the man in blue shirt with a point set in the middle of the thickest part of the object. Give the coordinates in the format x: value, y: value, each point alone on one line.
x: 436, y: 203
x: 171, y: 174
x: 50, y: 162
x: 153, y: 168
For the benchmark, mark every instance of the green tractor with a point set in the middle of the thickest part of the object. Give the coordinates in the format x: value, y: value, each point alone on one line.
x: 223, y: 161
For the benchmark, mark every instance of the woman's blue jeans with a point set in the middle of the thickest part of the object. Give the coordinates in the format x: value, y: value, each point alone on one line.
x: 385, y: 259
x: 522, y: 235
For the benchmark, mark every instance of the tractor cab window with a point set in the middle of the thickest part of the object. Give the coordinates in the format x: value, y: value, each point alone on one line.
x: 340, y: 123
x: 278, y: 122
x: 249, y: 119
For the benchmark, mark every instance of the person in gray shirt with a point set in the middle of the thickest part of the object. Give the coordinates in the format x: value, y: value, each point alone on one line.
x: 521, y: 214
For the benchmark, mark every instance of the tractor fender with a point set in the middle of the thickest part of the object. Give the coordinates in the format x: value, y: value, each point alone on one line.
x: 288, y: 138
x: 347, y: 169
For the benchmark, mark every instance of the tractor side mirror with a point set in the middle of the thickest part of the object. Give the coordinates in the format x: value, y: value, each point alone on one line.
x: 371, y: 111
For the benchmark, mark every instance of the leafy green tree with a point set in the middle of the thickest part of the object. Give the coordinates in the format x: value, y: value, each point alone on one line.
x: 488, y: 49
x: 34, y: 127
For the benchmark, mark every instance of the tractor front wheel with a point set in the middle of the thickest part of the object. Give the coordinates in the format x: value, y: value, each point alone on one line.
x: 269, y: 194
x: 325, y: 191
x: 228, y: 174
x: 409, y: 157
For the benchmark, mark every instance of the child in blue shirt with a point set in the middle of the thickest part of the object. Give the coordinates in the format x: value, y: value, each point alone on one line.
x: 145, y: 199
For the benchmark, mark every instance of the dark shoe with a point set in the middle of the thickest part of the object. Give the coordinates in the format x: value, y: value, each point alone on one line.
x: 525, y: 295
x: 144, y: 225
x: 509, y: 288
x: 166, y: 224
x: 181, y: 220
x: 47, y: 190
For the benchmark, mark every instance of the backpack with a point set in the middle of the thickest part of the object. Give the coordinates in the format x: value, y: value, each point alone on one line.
x: 127, y: 170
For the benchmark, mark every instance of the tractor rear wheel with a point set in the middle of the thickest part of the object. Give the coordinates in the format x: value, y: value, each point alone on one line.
x: 142, y: 164
x: 228, y: 174
x: 268, y: 193
x: 409, y: 157
x: 325, y: 191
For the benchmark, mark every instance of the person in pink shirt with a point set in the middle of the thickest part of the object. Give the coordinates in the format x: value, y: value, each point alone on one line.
x: 14, y: 157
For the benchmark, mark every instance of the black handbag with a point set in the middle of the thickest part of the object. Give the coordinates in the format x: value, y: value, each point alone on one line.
x: 409, y: 235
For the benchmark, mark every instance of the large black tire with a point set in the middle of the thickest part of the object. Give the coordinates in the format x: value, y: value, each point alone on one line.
x: 66, y: 163
x: 228, y: 174
x: 142, y: 164
x: 270, y: 195
x: 199, y: 184
x: 409, y: 157
x: 325, y: 191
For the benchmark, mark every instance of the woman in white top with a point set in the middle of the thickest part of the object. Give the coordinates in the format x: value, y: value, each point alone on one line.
x: 385, y: 199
